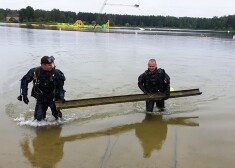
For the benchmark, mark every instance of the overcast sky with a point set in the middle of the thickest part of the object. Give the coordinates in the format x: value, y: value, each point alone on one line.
x: 178, y: 8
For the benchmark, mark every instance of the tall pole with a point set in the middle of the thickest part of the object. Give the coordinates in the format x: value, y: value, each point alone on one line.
x: 102, y: 8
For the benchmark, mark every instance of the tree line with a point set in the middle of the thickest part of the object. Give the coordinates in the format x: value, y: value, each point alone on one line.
x: 28, y: 14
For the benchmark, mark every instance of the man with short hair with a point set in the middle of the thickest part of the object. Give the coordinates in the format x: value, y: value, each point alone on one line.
x: 48, y: 83
x: 154, y: 80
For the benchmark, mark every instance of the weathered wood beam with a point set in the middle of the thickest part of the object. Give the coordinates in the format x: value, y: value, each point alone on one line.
x: 123, y: 99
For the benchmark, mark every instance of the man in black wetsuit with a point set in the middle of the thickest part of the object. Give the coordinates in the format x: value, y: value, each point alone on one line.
x: 48, y: 83
x: 154, y: 80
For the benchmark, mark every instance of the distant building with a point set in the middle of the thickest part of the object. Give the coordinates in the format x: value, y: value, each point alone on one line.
x: 12, y: 18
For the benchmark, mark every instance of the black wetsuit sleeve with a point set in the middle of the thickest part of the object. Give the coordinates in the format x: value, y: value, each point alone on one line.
x: 141, y: 82
x: 26, y: 80
x: 60, y: 84
x: 167, y: 82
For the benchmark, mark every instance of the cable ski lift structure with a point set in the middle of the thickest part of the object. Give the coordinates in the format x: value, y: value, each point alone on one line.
x: 124, y: 5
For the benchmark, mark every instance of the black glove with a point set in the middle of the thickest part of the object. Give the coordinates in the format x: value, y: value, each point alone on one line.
x: 167, y: 95
x: 25, y: 99
x: 62, y: 99
x: 20, y: 97
x: 145, y: 92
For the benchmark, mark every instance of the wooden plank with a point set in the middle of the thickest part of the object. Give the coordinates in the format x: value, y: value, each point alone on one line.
x: 123, y: 99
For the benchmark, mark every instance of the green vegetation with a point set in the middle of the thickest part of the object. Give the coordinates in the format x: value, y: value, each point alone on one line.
x: 28, y: 14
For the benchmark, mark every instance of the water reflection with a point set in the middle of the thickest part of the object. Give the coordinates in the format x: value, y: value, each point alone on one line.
x: 151, y: 131
x: 47, y: 146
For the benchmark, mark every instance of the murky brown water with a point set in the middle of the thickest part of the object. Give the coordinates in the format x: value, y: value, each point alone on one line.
x: 199, y: 132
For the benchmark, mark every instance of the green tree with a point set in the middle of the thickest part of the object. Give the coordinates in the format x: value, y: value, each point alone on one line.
x: 231, y: 22
x: 40, y: 15
x: 2, y: 14
x: 70, y: 17
x: 55, y: 15
x: 27, y: 14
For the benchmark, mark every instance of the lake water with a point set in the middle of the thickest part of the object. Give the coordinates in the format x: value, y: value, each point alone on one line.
x: 199, y: 132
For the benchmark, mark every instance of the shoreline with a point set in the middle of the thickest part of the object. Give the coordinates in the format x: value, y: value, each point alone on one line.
x: 131, y: 30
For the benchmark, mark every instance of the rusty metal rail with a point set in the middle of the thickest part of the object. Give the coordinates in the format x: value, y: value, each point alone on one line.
x: 124, y: 98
